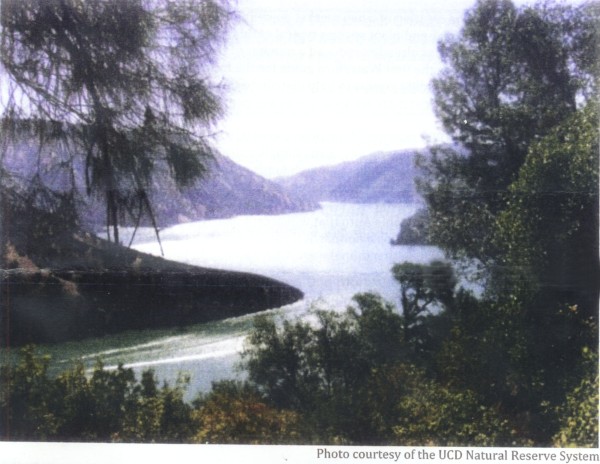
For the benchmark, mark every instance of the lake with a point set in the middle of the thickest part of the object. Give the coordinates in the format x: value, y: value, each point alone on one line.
x: 330, y: 254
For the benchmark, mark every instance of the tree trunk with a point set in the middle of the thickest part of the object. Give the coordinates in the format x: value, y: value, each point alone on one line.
x: 112, y: 214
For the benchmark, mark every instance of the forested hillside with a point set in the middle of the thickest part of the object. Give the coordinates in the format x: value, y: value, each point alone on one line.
x: 227, y: 189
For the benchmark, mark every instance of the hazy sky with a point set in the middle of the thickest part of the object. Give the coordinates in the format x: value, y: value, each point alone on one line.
x: 316, y: 82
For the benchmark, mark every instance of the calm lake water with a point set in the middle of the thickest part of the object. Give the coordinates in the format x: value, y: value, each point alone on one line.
x: 330, y: 254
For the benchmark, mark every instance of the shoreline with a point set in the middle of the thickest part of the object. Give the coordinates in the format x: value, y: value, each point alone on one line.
x: 94, y: 288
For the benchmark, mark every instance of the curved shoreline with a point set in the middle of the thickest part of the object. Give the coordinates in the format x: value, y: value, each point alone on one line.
x: 95, y: 288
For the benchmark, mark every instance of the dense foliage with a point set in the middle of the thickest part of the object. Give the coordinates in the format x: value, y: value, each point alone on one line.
x: 104, y: 405
x: 510, y: 76
x: 235, y: 413
x: 123, y: 85
x: 352, y: 379
x: 579, y: 414
x: 517, y: 197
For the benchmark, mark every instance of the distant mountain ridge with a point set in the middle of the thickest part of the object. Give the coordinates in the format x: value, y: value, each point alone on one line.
x: 377, y: 178
x: 227, y: 190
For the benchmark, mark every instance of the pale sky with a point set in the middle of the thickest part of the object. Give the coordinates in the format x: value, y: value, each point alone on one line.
x: 318, y: 82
